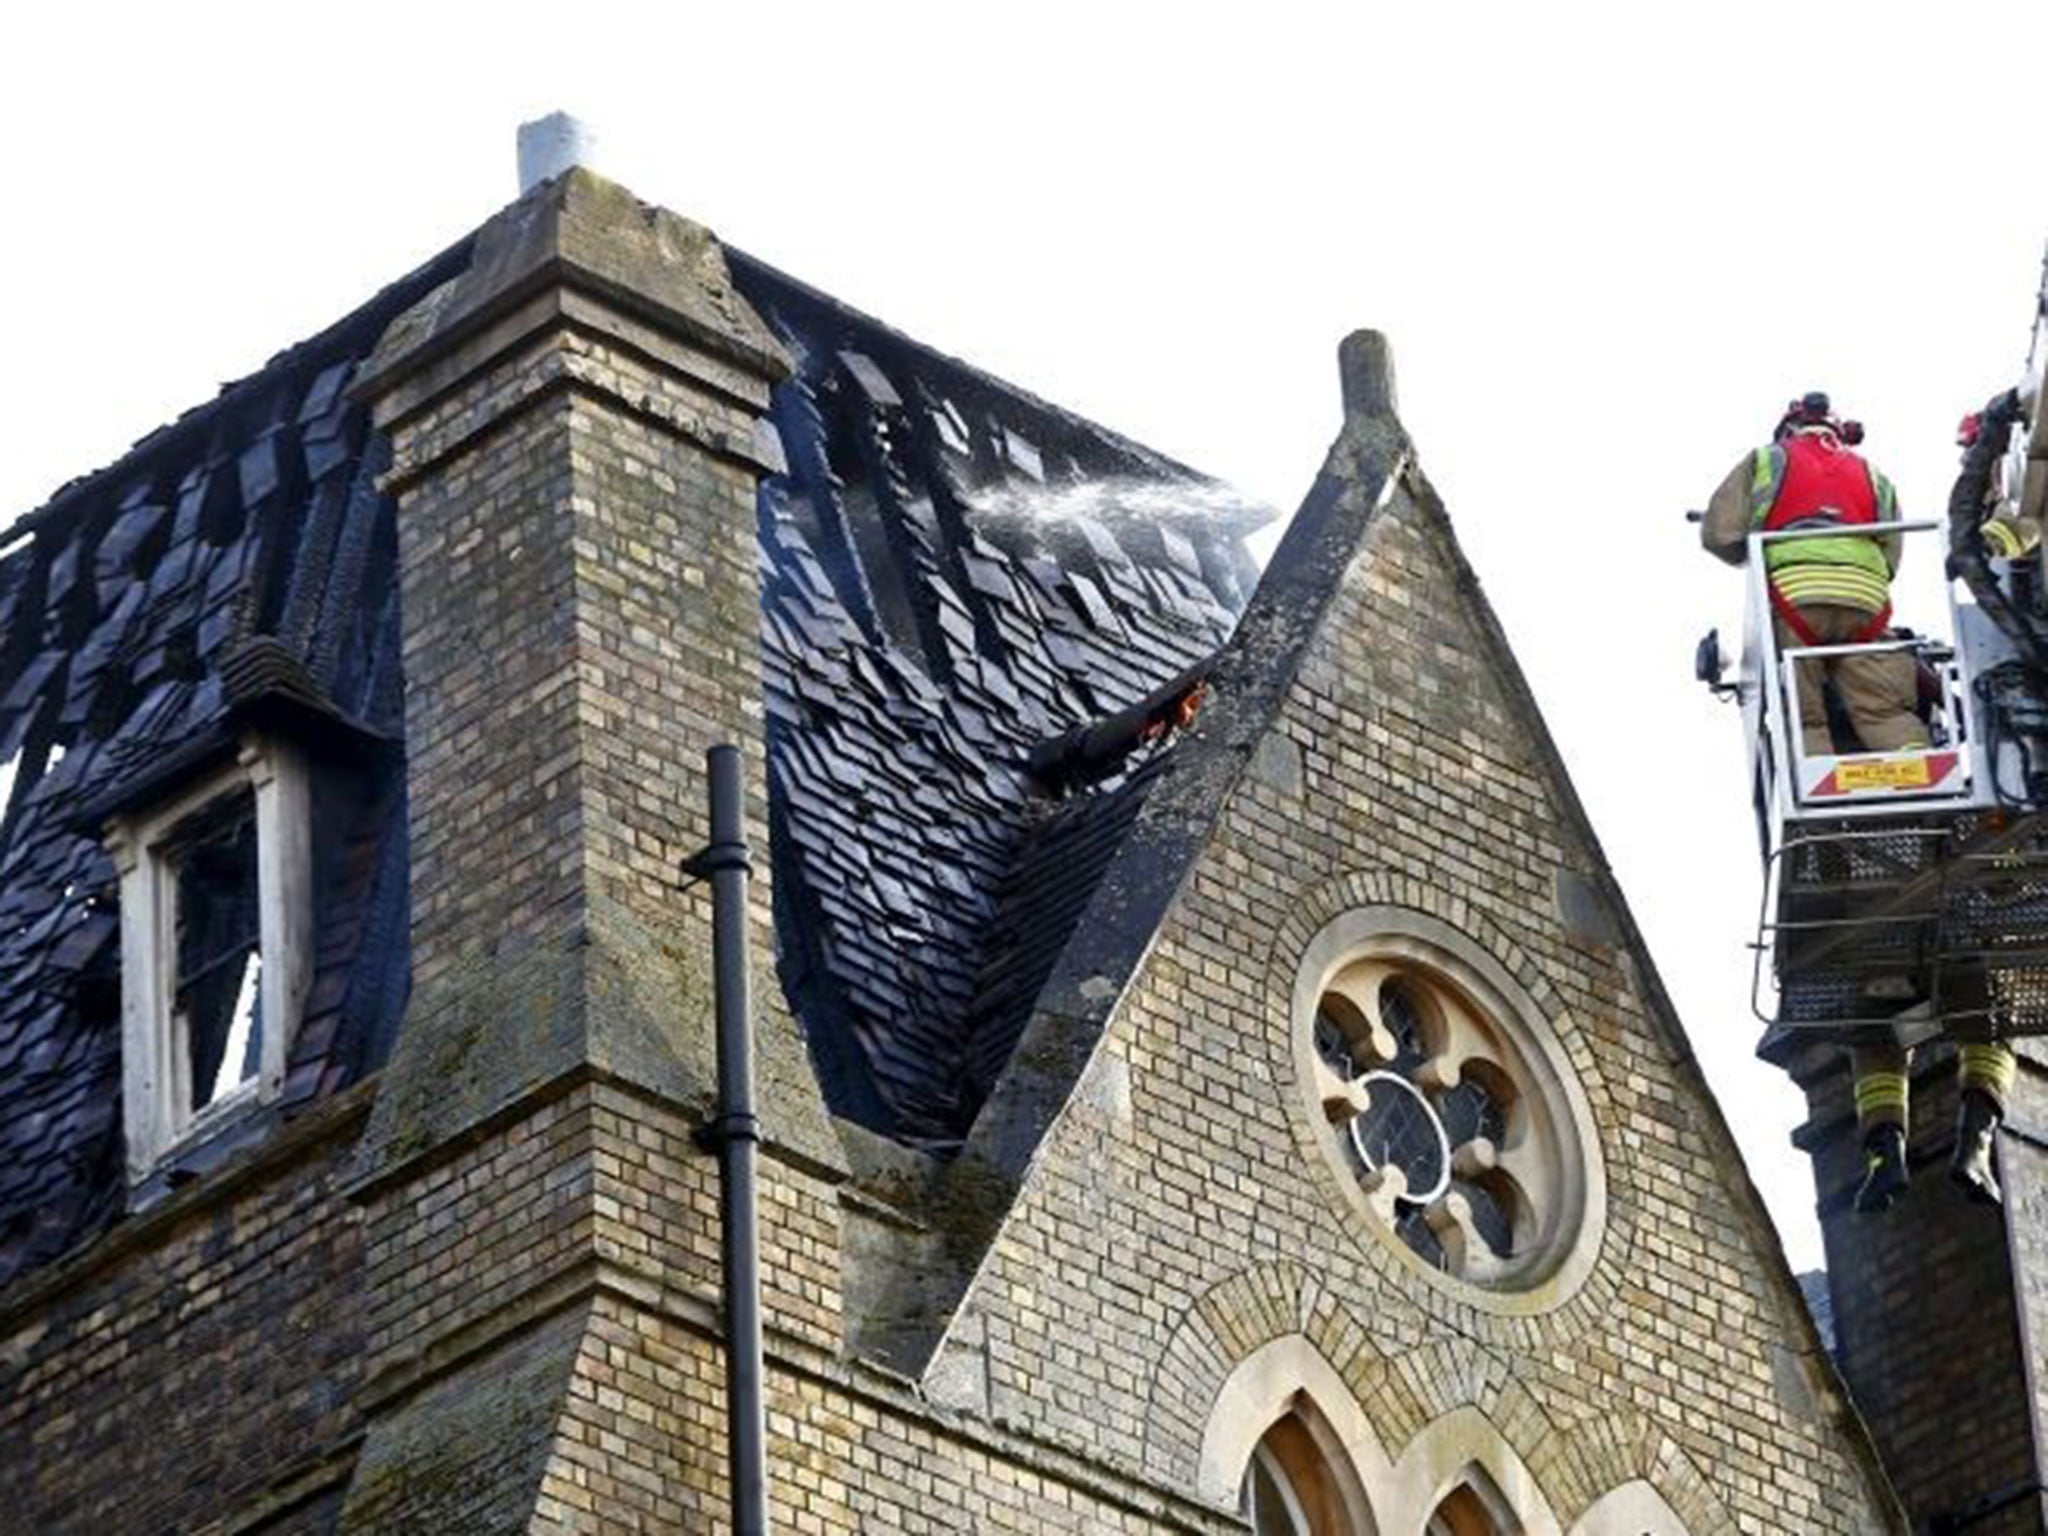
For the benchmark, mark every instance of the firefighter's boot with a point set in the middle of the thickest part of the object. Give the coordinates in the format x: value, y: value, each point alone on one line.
x: 1884, y: 1168
x: 1976, y: 1128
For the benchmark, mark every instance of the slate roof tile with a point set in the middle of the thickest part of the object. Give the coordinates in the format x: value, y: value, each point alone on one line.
x: 998, y: 631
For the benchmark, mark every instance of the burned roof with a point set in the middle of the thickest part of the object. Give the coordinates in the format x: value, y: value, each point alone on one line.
x: 953, y: 574
x: 239, y: 558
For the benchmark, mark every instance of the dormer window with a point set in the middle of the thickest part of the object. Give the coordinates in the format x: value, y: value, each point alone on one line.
x: 216, y: 889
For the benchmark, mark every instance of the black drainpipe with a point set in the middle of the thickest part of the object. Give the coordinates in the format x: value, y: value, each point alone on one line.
x: 733, y: 1135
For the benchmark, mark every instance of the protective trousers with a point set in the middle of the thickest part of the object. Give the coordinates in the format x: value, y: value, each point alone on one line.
x: 1880, y: 1073
x: 1879, y: 690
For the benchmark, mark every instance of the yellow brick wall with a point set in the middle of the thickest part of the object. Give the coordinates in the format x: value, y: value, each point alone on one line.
x: 1156, y: 1246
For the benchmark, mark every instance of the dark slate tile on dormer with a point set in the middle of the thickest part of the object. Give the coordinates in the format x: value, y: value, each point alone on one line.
x: 259, y: 470
x: 136, y: 579
x: 323, y: 401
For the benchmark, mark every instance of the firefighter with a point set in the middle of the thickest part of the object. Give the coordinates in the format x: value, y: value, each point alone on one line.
x: 1979, y: 529
x: 1829, y: 591
x: 1836, y: 591
x: 1980, y: 525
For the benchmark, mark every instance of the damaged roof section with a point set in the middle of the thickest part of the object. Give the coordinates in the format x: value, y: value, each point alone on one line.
x: 955, y: 574
x: 981, y: 618
x: 234, y: 568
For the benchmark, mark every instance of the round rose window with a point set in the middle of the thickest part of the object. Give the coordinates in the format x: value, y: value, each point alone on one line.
x: 1452, y: 1115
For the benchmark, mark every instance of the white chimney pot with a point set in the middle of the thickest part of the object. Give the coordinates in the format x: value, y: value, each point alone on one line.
x: 549, y: 145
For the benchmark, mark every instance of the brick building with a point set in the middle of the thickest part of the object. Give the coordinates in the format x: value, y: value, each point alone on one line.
x: 1208, y: 1072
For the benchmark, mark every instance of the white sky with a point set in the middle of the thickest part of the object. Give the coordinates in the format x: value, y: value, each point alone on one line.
x: 1607, y: 242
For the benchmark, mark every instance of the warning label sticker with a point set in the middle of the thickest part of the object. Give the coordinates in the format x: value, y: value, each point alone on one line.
x: 1901, y: 775
x: 1885, y: 773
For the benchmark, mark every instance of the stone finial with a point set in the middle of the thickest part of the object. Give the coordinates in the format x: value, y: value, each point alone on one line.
x: 550, y: 145
x: 1365, y: 366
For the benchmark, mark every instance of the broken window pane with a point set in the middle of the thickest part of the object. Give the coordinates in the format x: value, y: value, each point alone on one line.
x: 217, y: 999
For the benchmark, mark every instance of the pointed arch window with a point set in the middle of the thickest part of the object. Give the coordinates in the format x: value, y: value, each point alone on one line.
x: 1288, y: 1447
x: 1300, y: 1483
x: 1476, y: 1507
x: 1463, y: 1514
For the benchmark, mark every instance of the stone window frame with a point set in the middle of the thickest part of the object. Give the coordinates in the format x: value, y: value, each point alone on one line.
x: 1423, y: 942
x: 1635, y: 1508
x: 1289, y: 1376
x: 1464, y: 1452
x: 155, y: 1053
x: 1460, y: 1452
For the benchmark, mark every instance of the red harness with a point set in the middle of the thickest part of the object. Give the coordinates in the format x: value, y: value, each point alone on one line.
x: 1822, y: 481
x: 1803, y: 631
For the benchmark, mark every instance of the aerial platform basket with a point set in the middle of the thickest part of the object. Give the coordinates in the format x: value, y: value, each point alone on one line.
x: 1916, y: 928
x: 1905, y: 892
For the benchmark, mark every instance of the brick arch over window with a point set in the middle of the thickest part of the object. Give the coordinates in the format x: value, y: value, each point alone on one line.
x: 1290, y: 1376
x: 1232, y: 1323
x: 1394, y: 1401
x: 1592, y: 1461
x: 1650, y: 1487
x: 1401, y: 1379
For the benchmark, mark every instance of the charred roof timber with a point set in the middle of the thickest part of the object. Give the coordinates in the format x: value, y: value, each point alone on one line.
x: 1090, y: 753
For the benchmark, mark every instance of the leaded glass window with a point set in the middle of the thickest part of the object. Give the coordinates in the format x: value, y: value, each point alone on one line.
x: 1430, y: 1113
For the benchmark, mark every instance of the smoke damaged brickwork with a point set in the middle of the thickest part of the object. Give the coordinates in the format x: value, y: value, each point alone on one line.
x: 201, y: 1360
x: 573, y: 456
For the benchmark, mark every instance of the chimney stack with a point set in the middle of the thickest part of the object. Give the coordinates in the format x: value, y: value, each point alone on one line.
x: 576, y: 476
